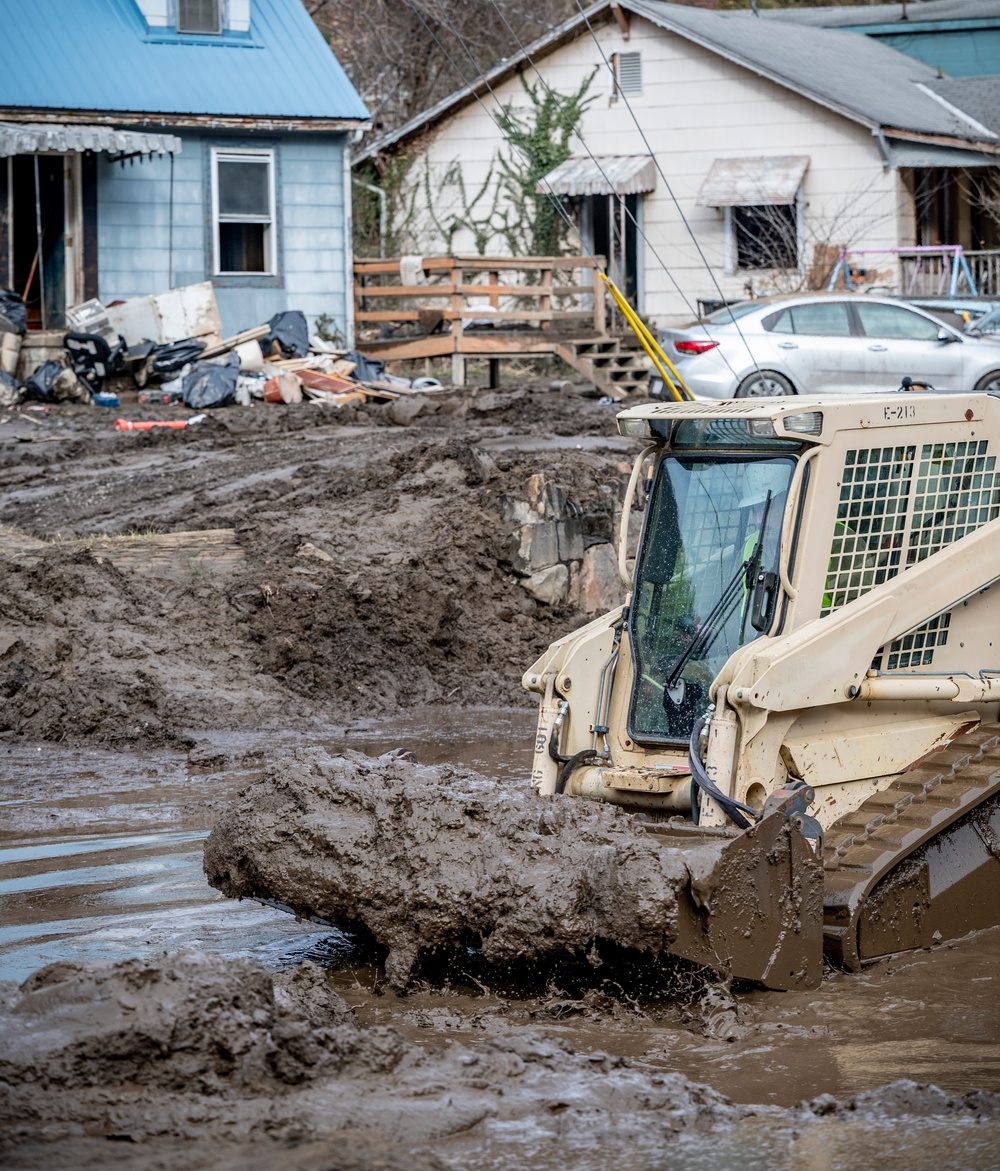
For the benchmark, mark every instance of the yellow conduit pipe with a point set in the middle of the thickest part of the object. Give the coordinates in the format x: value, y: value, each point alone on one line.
x: 679, y: 390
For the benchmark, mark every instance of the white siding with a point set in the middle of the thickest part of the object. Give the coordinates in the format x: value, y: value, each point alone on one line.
x: 695, y: 107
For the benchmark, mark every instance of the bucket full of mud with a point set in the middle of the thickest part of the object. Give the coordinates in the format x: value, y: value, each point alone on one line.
x: 425, y: 859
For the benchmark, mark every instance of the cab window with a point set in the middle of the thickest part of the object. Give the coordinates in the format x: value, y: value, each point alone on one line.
x: 894, y: 322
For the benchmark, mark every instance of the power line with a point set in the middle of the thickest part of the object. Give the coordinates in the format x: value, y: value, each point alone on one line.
x: 670, y: 190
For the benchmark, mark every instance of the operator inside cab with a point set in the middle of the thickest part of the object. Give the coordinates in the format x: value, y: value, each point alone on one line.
x: 706, y: 582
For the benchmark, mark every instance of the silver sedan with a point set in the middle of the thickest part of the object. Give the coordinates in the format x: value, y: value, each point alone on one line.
x: 827, y: 344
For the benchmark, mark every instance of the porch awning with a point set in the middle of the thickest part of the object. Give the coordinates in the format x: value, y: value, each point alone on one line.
x: 774, y: 179
x: 899, y: 153
x: 601, y: 175
x: 28, y: 138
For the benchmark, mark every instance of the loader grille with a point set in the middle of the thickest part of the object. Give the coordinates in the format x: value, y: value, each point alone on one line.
x: 957, y: 491
x: 915, y: 649
x: 887, y: 505
x: 871, y: 522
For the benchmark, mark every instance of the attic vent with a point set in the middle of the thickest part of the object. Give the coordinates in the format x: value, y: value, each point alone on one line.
x: 628, y: 73
x: 199, y: 16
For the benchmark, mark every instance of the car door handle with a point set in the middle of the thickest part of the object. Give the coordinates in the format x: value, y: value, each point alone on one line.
x: 788, y: 345
x: 878, y: 349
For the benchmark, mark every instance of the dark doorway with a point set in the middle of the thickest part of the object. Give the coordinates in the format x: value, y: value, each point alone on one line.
x: 30, y: 272
x: 608, y: 229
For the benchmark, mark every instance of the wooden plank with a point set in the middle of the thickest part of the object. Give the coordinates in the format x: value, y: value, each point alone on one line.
x: 467, y: 312
x: 438, y: 291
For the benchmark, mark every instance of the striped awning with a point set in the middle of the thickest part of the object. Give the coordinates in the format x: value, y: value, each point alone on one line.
x: 28, y: 138
x: 601, y: 175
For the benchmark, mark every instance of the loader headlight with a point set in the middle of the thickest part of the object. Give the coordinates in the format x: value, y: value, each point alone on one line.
x: 804, y: 423
x: 645, y: 428
x: 634, y: 428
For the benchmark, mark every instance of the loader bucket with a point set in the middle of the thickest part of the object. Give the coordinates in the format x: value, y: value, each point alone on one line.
x: 426, y: 859
x: 755, y: 902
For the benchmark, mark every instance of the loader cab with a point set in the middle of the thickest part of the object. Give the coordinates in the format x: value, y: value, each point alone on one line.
x: 706, y: 579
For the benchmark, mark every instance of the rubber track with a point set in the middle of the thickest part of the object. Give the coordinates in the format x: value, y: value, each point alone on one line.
x: 864, y: 846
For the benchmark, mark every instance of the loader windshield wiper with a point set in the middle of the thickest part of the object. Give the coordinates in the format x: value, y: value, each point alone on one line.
x: 702, y: 586
x: 708, y: 631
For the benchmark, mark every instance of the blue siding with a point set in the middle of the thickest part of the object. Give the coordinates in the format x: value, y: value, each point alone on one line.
x: 134, y: 252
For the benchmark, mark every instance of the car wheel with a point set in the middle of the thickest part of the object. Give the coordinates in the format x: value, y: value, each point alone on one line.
x: 764, y: 384
x: 989, y: 383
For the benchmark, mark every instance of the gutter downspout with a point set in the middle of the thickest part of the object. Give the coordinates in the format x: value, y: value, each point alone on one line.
x: 383, y: 213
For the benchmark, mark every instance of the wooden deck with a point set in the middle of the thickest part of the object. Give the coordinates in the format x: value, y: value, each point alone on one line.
x: 477, y: 305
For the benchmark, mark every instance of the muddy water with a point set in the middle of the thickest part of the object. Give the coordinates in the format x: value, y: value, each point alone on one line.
x: 100, y: 852
x: 100, y: 858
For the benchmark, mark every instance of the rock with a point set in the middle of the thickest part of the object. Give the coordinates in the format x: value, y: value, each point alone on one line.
x: 550, y: 586
x: 570, y: 534
x: 311, y: 550
x: 534, y: 547
x: 601, y: 588
x: 403, y: 410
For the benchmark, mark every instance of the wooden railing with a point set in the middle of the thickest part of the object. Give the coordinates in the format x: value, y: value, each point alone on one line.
x: 474, y: 304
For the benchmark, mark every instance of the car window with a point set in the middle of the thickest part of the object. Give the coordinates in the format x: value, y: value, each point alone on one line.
x: 892, y: 321
x: 824, y: 319
x: 779, y: 322
x: 732, y: 312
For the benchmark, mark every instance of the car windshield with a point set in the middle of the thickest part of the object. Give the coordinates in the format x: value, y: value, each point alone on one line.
x: 714, y: 525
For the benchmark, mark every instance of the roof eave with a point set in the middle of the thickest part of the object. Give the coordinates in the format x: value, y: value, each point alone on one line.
x: 459, y: 99
x: 183, y: 121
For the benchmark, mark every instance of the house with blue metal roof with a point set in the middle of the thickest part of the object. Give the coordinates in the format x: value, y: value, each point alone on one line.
x: 151, y: 144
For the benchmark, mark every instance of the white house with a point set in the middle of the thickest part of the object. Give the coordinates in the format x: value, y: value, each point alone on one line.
x: 720, y: 154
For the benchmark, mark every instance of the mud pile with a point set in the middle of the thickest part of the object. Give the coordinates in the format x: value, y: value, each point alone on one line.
x: 427, y: 858
x: 196, y: 1062
x: 371, y: 574
x: 194, y: 1023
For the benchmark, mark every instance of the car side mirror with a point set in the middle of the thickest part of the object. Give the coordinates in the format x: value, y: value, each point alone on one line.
x: 946, y: 336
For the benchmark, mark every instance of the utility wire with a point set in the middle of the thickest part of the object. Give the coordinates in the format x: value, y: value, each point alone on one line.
x: 556, y: 201
x: 670, y: 190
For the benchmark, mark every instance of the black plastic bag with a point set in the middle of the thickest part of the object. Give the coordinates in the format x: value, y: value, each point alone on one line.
x: 211, y: 384
x: 365, y: 369
x: 169, y: 358
x: 11, y: 391
x: 12, y: 312
x: 39, y: 384
x: 290, y: 331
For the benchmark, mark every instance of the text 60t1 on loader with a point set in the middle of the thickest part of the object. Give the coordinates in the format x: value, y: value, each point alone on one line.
x: 800, y: 693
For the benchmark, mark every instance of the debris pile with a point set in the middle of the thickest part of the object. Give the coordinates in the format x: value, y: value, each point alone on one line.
x: 172, y: 346
x: 433, y: 857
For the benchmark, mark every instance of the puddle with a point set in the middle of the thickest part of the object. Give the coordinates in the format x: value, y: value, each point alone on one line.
x: 100, y: 859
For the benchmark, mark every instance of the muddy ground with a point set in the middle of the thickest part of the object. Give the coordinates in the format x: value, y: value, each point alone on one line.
x: 184, y: 611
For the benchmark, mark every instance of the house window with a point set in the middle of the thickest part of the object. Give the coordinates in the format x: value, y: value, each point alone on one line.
x: 765, y: 235
x: 199, y: 16
x: 627, y: 73
x: 243, y: 207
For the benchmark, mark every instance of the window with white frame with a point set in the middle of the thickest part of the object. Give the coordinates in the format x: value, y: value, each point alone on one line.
x: 243, y: 211
x: 199, y: 16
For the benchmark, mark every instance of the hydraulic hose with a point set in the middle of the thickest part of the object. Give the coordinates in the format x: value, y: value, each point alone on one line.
x: 732, y: 808
x: 587, y: 756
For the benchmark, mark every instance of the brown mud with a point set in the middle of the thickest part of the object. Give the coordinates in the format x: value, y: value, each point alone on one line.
x: 371, y: 576
x: 187, y: 612
x: 426, y: 858
x: 155, y: 1055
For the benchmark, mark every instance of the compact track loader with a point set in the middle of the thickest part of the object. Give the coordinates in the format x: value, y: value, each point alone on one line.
x: 800, y: 694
